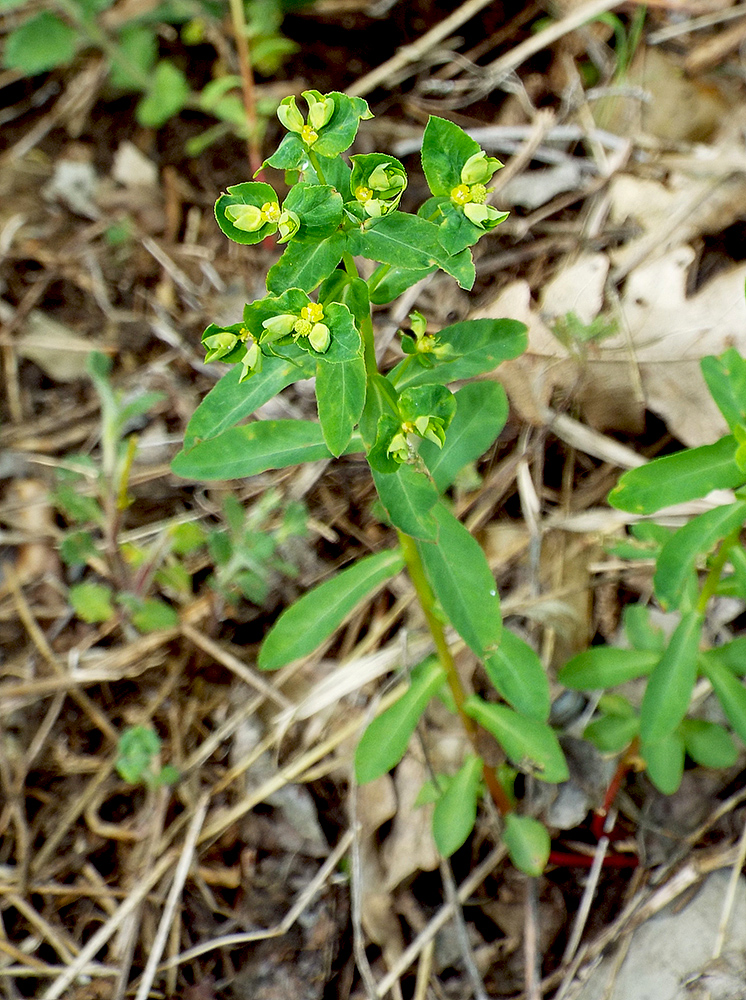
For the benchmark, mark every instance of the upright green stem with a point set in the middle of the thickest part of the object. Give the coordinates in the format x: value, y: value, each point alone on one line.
x: 427, y: 603
x: 316, y: 164
x: 369, y: 346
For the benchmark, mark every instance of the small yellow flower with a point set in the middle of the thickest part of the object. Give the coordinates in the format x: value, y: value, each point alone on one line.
x: 270, y: 211
x: 461, y: 194
x: 309, y: 135
x: 314, y: 312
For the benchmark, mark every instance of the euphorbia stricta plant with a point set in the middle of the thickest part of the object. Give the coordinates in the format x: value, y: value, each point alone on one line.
x: 415, y: 431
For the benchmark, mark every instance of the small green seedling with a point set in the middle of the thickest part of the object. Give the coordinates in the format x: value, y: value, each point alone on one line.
x: 44, y: 40
x: 146, y: 584
x: 138, y: 760
x: 417, y: 424
x: 693, y: 564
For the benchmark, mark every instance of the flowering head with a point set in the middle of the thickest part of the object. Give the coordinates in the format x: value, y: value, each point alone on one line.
x: 303, y: 322
x: 251, y: 362
x: 248, y: 212
x: 288, y: 225
x: 289, y: 115
x: 377, y: 183
x: 320, y: 111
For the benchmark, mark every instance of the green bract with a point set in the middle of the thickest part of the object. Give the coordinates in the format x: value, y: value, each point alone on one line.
x: 377, y: 183
x: 248, y: 212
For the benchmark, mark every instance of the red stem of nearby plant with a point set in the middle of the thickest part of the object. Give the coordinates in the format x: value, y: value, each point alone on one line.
x: 247, y: 83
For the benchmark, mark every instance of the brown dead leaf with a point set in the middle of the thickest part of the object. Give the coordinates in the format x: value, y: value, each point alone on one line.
x: 652, y: 363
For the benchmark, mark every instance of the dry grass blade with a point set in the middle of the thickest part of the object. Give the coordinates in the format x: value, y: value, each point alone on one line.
x: 411, y: 53
x: 104, y: 933
x: 177, y: 886
x: 444, y: 914
x: 230, y: 940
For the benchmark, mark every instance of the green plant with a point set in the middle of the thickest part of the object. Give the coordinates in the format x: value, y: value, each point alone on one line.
x: 694, y: 564
x: 415, y: 433
x: 138, y: 759
x: 145, y: 584
x: 43, y: 40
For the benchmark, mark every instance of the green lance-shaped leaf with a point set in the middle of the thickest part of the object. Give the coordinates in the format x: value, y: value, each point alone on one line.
x: 303, y: 626
x: 305, y: 263
x: 530, y: 745
x: 708, y: 744
x: 669, y: 688
x: 679, y: 555
x: 458, y: 571
x: 340, y: 394
x: 726, y: 379
x: 455, y: 811
x: 41, y: 43
x: 665, y: 762
x: 673, y: 479
x: 476, y: 346
x: 481, y: 412
x: 168, y: 95
x: 138, y: 46
x: 730, y: 692
x: 602, y: 667
x: 229, y: 401
x: 528, y: 843
x: 518, y: 675
x: 385, y: 741
x: 408, y: 497
x: 408, y: 241
x: 248, y: 450
x: 640, y: 631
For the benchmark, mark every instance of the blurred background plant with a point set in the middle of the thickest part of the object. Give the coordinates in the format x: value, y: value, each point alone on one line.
x: 146, y: 584
x: 147, y: 48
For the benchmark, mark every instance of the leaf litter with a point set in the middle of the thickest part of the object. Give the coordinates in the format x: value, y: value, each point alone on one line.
x: 241, y: 895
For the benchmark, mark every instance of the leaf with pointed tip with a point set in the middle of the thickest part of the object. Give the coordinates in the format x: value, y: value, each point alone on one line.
x: 340, y: 395
x: 458, y: 571
x: 253, y: 448
x: 481, y: 412
x: 669, y: 688
x: 687, y: 475
x: 303, y: 626
x: 530, y: 745
x: 455, y: 810
x: 385, y: 740
x: 408, y: 497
